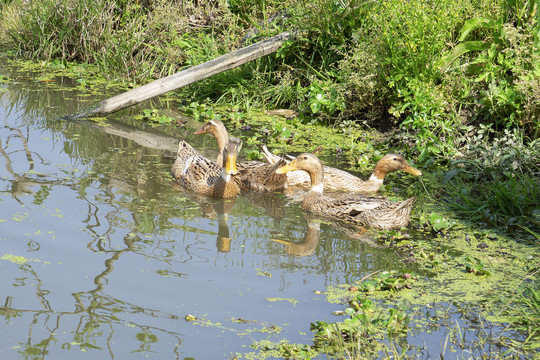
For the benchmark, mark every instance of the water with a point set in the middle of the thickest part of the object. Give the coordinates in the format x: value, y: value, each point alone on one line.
x: 103, y: 255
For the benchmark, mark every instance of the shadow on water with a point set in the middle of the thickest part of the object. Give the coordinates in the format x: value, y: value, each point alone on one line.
x: 104, y: 255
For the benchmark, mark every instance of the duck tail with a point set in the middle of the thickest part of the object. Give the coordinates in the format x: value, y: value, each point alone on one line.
x: 269, y: 157
x: 272, y: 170
x: 405, y: 204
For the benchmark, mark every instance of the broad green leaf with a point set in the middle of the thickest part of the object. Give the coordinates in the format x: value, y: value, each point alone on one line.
x: 473, y: 24
x: 459, y: 50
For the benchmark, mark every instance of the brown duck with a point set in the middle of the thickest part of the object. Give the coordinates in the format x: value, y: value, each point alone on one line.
x: 205, y: 177
x: 339, y: 180
x: 253, y: 175
x: 375, y: 212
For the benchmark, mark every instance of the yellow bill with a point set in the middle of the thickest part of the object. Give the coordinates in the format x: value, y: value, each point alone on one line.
x: 289, y: 167
x: 412, y: 170
x: 230, y: 165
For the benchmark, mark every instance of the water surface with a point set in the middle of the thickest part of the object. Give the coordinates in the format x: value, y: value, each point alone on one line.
x: 103, y: 255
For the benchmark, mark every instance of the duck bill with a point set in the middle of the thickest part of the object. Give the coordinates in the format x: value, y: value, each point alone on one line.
x: 412, y: 170
x: 285, y: 169
x: 200, y: 131
x: 230, y: 165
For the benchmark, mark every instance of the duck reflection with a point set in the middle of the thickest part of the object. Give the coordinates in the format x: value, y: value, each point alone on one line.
x: 222, y: 209
x: 310, y: 242
x: 313, y: 235
x: 273, y: 203
x: 214, y: 208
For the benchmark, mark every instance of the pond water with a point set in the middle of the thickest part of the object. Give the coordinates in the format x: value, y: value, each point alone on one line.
x: 103, y: 255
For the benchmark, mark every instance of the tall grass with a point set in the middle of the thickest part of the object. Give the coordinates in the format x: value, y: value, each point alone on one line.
x: 495, y: 180
x: 126, y: 39
x: 429, y: 67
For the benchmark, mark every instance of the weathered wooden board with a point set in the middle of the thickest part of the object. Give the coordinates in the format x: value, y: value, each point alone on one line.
x: 183, y: 78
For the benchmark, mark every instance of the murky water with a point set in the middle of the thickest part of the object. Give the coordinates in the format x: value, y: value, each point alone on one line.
x: 103, y: 255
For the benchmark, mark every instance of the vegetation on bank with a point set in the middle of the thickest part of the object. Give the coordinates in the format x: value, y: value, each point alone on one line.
x: 429, y: 67
x: 447, y: 77
x: 454, y: 84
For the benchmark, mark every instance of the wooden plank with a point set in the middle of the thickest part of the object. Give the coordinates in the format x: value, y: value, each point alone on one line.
x: 184, y: 77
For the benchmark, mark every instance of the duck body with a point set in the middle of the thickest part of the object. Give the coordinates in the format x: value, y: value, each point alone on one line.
x: 339, y: 180
x: 374, y: 212
x: 204, y: 176
x: 252, y: 175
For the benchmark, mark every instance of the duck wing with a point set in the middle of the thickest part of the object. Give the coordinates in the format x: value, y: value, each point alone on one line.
x: 256, y: 175
x: 191, y: 168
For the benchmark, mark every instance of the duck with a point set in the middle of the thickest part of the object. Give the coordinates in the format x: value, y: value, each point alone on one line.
x: 340, y: 180
x: 375, y: 212
x: 252, y: 175
x: 204, y: 176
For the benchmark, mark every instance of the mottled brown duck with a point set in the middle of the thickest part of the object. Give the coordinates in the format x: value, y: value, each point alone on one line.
x: 373, y: 212
x: 204, y: 176
x: 339, y: 180
x: 252, y: 175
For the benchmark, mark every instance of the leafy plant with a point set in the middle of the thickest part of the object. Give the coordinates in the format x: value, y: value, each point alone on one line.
x: 385, y: 281
x: 200, y: 112
x: 153, y: 115
x: 438, y: 222
x: 475, y: 266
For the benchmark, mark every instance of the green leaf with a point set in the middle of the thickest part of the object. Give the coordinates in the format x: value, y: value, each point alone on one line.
x: 315, y: 107
x: 473, y: 24
x: 459, y: 50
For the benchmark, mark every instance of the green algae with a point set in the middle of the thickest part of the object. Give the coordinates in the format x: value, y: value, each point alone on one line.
x: 292, y: 301
x: 449, y: 281
x: 16, y: 259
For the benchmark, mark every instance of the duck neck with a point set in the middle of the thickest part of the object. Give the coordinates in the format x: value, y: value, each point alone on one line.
x: 378, y: 174
x: 226, y: 177
x: 222, y: 140
x: 317, y: 181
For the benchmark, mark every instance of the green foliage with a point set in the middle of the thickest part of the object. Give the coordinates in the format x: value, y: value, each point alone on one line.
x: 437, y: 222
x: 529, y: 319
x: 428, y: 66
x: 499, y: 65
x: 356, y: 335
x: 496, y: 180
x: 385, y: 281
x: 323, y: 99
x: 200, y: 112
x: 122, y: 37
x: 153, y: 116
x: 475, y: 266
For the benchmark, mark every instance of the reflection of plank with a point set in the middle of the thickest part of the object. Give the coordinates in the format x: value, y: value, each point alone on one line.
x: 185, y: 77
x: 148, y: 139
x: 143, y: 138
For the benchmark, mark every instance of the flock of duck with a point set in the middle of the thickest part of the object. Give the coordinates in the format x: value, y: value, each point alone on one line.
x: 225, y: 178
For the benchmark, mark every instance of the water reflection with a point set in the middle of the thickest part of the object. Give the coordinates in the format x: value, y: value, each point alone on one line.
x: 310, y: 242
x: 213, y: 208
